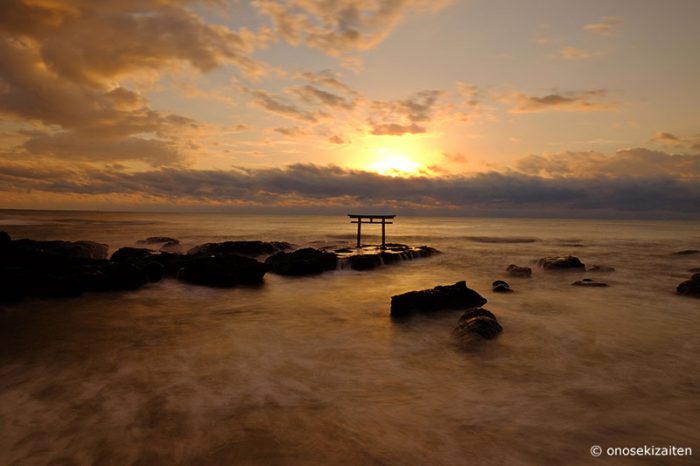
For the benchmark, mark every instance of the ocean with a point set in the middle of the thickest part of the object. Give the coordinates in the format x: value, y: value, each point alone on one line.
x: 312, y: 370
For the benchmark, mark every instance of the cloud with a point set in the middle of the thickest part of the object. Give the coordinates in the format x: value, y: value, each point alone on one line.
x: 587, y: 193
x: 394, y: 129
x: 311, y: 94
x: 666, y: 138
x: 335, y: 139
x: 278, y: 105
x: 628, y: 163
x: 291, y: 132
x: 582, y: 101
x: 337, y: 27
x: 573, y: 53
x: 605, y: 26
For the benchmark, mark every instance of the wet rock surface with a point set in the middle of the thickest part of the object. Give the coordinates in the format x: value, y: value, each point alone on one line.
x: 561, y: 263
x: 588, y: 282
x: 520, y: 272
x: 477, y: 324
x: 223, y: 271
x: 307, y: 261
x: 241, y: 248
x: 157, y: 240
x: 499, y: 286
x: 690, y: 287
x: 456, y: 296
x: 367, y: 258
x: 600, y: 268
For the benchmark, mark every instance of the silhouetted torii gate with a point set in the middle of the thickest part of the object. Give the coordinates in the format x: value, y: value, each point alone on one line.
x: 358, y: 218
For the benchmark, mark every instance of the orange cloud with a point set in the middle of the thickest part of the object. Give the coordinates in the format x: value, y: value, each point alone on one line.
x: 583, y: 101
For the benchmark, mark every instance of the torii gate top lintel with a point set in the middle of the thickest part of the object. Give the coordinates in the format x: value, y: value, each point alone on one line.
x: 362, y: 218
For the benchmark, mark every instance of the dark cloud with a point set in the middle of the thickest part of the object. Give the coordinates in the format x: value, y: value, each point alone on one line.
x: 582, y: 101
x: 339, y: 26
x: 628, y: 163
x: 279, y: 106
x: 395, y: 129
x: 312, y: 185
x: 311, y: 94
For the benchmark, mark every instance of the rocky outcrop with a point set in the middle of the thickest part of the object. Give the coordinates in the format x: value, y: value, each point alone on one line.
x: 499, y: 286
x: 600, y: 268
x: 307, y: 261
x: 58, y: 249
x: 457, y: 296
x: 690, y: 287
x: 694, y: 270
x: 240, y: 248
x: 158, y: 240
x: 589, y: 283
x: 223, y: 271
x: 369, y: 258
x: 477, y: 324
x: 561, y: 263
x: 520, y: 272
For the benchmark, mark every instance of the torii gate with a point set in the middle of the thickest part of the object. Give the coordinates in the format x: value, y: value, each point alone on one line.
x: 358, y: 218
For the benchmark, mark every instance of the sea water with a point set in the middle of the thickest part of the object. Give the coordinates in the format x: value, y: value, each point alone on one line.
x: 311, y: 370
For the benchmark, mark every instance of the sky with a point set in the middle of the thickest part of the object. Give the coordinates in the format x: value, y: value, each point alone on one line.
x: 471, y: 107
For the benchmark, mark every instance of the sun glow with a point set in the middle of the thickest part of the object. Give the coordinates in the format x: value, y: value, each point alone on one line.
x: 394, y: 163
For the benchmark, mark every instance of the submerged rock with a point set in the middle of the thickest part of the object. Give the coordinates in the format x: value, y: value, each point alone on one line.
x: 307, y: 261
x: 561, y: 263
x: 477, y: 324
x: 589, y: 282
x: 240, y: 248
x: 520, y: 272
x: 457, y: 296
x: 686, y: 252
x: 694, y: 270
x: 600, y: 268
x: 368, y: 258
x: 499, y: 286
x: 690, y: 287
x: 158, y: 239
x: 223, y: 271
x: 171, y: 246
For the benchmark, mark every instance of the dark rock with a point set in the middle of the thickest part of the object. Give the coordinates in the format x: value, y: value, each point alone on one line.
x: 307, y: 261
x: 58, y: 249
x: 240, y: 248
x: 589, y: 282
x: 499, y: 286
x: 690, y: 287
x: 561, y: 263
x: 132, y: 254
x: 367, y: 261
x: 520, y: 272
x: 457, y: 296
x: 4, y: 239
x: 686, y: 252
x: 223, y: 271
x: 600, y: 268
x: 694, y: 270
x: 158, y: 239
x: 171, y: 246
x: 477, y: 324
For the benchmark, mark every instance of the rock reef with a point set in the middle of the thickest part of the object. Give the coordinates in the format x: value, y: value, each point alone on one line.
x: 456, y: 296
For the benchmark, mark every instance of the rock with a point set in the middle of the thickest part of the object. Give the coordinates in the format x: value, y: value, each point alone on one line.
x: 477, y: 324
x: 307, y: 261
x: 561, y: 263
x: 694, y: 270
x: 600, y: 268
x: 686, y: 252
x: 171, y: 246
x: 369, y: 261
x: 158, y: 239
x: 499, y: 286
x: 690, y: 287
x: 223, y: 271
x: 457, y: 296
x: 4, y: 239
x: 240, y: 248
x: 128, y: 254
x: 58, y: 249
x: 589, y: 282
x: 520, y: 272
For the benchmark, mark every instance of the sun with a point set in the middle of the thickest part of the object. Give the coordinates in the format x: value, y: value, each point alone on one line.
x: 394, y: 163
